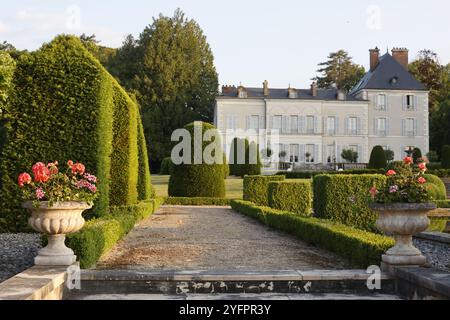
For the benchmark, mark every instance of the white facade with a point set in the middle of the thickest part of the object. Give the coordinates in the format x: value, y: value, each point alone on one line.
x: 317, y: 131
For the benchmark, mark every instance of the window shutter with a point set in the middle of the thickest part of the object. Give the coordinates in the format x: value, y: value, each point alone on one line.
x: 388, y: 127
x: 415, y: 127
x: 325, y: 125
x: 346, y: 125
x: 405, y: 102
x: 337, y: 125
x: 301, y: 124
x: 416, y: 102
x: 387, y: 103
x: 403, y: 127
x: 338, y: 156
x: 319, y: 128
x: 358, y: 126
x: 247, y: 122
x: 360, y: 154
x: 284, y: 124
x: 302, y: 157
x: 324, y: 153
x: 262, y: 122
x: 316, y: 153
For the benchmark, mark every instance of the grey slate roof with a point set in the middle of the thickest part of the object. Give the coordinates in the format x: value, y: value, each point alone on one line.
x: 302, y: 94
x: 381, y: 78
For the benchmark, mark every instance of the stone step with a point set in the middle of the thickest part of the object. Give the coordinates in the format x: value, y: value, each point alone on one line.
x: 96, y: 283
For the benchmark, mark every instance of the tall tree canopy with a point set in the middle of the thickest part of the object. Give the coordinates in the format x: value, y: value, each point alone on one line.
x: 171, y: 70
x: 7, y: 66
x: 428, y: 70
x: 340, y: 71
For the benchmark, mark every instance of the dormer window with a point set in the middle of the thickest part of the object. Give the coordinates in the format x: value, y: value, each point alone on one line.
x: 394, y: 80
x: 242, y: 93
x: 292, y: 93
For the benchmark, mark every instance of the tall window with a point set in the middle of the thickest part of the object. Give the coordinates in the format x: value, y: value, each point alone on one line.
x: 353, y: 126
x: 409, y: 127
x: 331, y: 153
x: 277, y: 122
x: 410, y: 102
x: 309, y: 153
x: 294, y: 124
x: 310, y: 124
x: 382, y: 126
x: 382, y: 102
x: 294, y: 153
x: 331, y: 125
x: 254, y: 122
x: 231, y: 122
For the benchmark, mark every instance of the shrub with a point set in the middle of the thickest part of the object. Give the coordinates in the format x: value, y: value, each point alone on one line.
x: 291, y: 196
x: 390, y: 155
x: 436, y: 187
x: 166, y: 166
x: 361, y: 248
x: 398, y: 166
x: 249, y: 168
x: 442, y: 173
x: 197, y: 201
x: 444, y: 204
x: 234, y: 156
x: 144, y: 184
x: 98, y: 236
x: 345, y: 199
x: 445, y: 157
x: 198, y: 180
x: 377, y: 158
x: 417, y: 154
x: 350, y: 155
x: 62, y: 91
x: 256, y: 188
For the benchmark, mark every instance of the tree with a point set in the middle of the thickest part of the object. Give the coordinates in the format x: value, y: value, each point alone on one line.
x: 13, y: 52
x: 439, y: 128
x: 377, y: 158
x: 445, y: 157
x: 339, y: 70
x: 428, y: 70
x: 349, y: 155
x: 103, y: 54
x: 172, y: 72
x: 390, y: 155
x: 7, y: 67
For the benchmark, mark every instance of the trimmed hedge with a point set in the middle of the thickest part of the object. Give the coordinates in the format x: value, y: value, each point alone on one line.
x: 291, y: 196
x: 198, y: 180
x: 442, y: 173
x: 436, y: 187
x: 360, y: 247
x: 377, y: 158
x: 256, y: 188
x: 99, y: 236
x: 197, y: 201
x: 443, y: 204
x: 312, y: 174
x: 166, y: 167
x: 144, y: 184
x: 65, y: 106
x: 345, y: 199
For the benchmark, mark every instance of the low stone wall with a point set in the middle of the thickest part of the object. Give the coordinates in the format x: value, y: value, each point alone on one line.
x: 36, y: 283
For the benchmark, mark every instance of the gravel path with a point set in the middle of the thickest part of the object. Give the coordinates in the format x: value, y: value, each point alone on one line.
x: 17, y: 252
x: 438, y: 254
x: 204, y: 238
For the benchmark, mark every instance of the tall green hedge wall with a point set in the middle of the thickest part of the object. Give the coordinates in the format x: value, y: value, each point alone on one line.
x: 145, y: 187
x: 256, y: 188
x: 345, y: 199
x: 66, y: 106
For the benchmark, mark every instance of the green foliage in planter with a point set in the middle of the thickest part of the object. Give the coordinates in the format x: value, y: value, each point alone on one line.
x: 197, y: 201
x: 66, y: 106
x: 436, y: 187
x: 361, y: 248
x: 199, y: 180
x: 345, y: 199
x: 100, y: 235
x: 377, y: 158
x: 144, y: 184
x: 295, y: 197
x: 166, y: 166
x: 445, y: 157
x: 256, y: 188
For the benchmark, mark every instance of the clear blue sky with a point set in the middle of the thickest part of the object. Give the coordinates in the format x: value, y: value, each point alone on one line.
x: 281, y: 41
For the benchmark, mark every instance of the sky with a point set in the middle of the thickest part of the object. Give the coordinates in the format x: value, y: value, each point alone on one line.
x: 280, y: 41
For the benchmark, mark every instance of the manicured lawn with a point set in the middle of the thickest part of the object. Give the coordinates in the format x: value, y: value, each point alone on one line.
x: 233, y: 186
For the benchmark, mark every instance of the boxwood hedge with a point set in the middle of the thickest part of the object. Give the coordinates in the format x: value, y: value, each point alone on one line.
x: 292, y: 196
x: 65, y: 106
x: 197, y: 201
x: 166, y: 166
x: 345, y: 199
x: 361, y: 248
x: 256, y: 188
x: 198, y: 180
x: 144, y: 184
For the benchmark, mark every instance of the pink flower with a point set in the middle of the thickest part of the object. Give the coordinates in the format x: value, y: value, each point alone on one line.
x: 422, y: 180
x: 408, y: 160
x: 90, y: 178
x: 393, y: 189
x: 40, y: 194
x: 78, y: 168
x: 423, y: 167
x: 391, y: 173
x: 52, y: 166
x: 24, y: 178
x: 373, y: 191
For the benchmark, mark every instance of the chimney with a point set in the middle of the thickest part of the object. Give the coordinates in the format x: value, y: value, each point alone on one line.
x: 228, y: 89
x: 314, y: 89
x: 401, y: 55
x: 266, y: 88
x: 374, y: 58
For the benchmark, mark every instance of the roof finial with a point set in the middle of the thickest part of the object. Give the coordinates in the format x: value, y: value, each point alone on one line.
x: 387, y: 49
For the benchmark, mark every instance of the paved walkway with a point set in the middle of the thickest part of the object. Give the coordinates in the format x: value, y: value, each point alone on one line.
x: 212, y: 238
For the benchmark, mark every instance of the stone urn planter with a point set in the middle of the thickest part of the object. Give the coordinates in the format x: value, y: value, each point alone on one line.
x: 403, y: 221
x: 56, y: 221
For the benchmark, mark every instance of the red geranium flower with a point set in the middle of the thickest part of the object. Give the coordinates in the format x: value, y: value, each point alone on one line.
x: 408, y: 160
x: 391, y: 173
x: 24, y: 178
x: 422, y: 180
x: 423, y: 167
x: 41, y: 172
x: 78, y: 168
